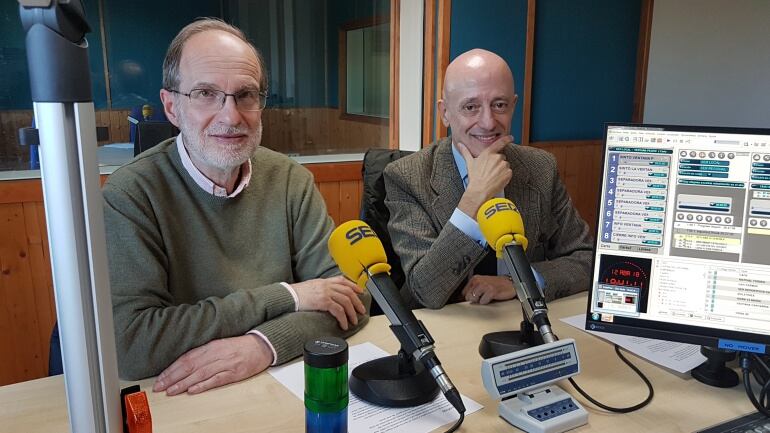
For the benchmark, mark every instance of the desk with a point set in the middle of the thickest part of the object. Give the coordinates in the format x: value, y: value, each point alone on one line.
x: 261, y: 404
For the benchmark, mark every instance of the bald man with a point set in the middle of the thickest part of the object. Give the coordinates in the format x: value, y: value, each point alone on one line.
x: 217, y: 247
x: 434, y: 194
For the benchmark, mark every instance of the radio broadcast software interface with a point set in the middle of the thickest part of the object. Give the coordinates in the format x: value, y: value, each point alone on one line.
x: 684, y: 235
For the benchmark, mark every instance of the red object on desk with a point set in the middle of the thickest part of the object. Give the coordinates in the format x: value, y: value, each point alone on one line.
x: 138, y: 415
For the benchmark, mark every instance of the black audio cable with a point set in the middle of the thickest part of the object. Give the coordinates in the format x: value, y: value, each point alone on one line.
x: 620, y: 409
x: 747, y: 362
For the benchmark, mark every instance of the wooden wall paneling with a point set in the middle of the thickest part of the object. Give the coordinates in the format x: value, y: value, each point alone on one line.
x: 45, y: 268
x: 442, y: 57
x: 103, y: 119
x: 46, y: 312
x: 335, y: 172
x: 319, y: 130
x: 19, y: 311
x: 19, y: 191
x: 642, y: 59
x: 7, y: 361
x: 350, y: 200
x: 115, y: 126
x: 579, y: 168
x: 395, y: 40
x: 526, y: 115
x: 12, y: 120
x: 331, y: 194
x: 429, y: 68
x: 124, y: 132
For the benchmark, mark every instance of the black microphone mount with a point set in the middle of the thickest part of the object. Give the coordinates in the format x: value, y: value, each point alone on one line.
x: 535, y: 327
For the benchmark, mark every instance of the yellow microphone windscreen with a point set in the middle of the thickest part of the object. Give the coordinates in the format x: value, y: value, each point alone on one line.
x: 500, y: 223
x: 355, y: 248
x: 147, y: 111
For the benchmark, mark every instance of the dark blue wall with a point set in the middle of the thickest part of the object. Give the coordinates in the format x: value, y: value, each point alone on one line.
x: 499, y: 26
x: 584, y: 67
x: 584, y: 62
x: 14, y: 75
x: 138, y: 34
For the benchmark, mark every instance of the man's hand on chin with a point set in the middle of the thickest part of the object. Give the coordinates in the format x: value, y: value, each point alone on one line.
x: 216, y: 363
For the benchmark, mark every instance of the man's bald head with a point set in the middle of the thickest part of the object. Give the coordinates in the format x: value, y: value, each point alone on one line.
x: 478, y: 99
x: 473, y: 66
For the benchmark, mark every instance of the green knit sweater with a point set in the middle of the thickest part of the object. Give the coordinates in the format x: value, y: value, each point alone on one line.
x: 187, y: 267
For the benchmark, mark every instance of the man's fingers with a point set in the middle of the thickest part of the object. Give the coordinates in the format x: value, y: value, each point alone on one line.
x: 347, y: 283
x: 347, y: 305
x: 353, y: 296
x: 338, y: 313
x: 486, y: 297
x: 464, y: 152
x: 185, y: 365
x: 178, y: 370
x: 499, y: 145
x: 220, y: 378
x: 470, y: 297
x: 202, y: 373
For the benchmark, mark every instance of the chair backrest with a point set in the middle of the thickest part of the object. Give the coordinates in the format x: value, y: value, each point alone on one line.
x: 373, y: 209
x: 149, y: 133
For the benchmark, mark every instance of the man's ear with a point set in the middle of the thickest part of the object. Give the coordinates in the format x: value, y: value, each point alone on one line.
x: 169, y: 106
x: 442, y: 111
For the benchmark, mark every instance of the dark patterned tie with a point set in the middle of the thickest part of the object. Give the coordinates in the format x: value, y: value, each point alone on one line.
x: 487, y: 265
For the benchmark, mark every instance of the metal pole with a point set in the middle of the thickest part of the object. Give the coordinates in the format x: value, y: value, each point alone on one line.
x: 64, y: 113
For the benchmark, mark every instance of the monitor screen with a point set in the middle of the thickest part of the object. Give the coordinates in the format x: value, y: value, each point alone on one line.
x: 683, y: 236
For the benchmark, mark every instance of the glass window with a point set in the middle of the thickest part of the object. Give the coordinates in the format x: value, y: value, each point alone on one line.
x: 367, y: 57
x: 299, y: 40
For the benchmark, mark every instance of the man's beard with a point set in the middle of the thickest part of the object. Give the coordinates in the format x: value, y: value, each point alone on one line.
x: 213, y: 154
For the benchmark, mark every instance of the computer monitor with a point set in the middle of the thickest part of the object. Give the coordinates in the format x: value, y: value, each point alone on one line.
x: 683, y: 236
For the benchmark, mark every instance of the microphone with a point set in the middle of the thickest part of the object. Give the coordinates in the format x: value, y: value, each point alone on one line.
x: 147, y: 111
x: 501, y: 224
x: 361, y: 257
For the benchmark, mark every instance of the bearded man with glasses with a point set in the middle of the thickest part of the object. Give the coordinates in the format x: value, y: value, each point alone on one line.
x: 217, y: 246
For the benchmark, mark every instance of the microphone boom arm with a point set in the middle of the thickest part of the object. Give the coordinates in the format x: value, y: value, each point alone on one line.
x: 529, y: 293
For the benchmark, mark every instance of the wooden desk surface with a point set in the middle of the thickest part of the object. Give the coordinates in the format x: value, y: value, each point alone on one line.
x: 261, y: 404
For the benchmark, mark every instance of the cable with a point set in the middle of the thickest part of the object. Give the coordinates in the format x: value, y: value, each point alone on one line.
x: 457, y: 424
x: 620, y: 409
x: 760, y: 405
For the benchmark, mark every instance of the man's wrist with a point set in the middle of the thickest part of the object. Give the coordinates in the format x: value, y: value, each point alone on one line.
x: 470, y: 204
x: 264, y: 346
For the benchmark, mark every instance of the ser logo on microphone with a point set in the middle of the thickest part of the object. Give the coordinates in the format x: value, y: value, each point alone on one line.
x: 357, y: 233
x: 499, y: 207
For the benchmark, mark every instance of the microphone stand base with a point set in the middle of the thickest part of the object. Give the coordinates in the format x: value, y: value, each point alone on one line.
x: 504, y: 342
x: 393, y: 381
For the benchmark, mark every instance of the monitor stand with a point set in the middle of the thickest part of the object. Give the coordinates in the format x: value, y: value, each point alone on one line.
x: 713, y: 372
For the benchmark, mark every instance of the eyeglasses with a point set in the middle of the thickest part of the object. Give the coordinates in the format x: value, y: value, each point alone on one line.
x: 214, y: 100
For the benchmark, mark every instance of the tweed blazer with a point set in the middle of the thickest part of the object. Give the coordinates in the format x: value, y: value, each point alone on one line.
x: 423, y: 191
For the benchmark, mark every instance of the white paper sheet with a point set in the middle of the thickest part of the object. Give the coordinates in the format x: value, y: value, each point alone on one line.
x: 679, y: 357
x: 365, y: 417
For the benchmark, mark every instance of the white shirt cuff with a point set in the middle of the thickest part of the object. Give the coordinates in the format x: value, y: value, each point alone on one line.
x: 262, y: 336
x: 293, y: 295
x: 467, y: 225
